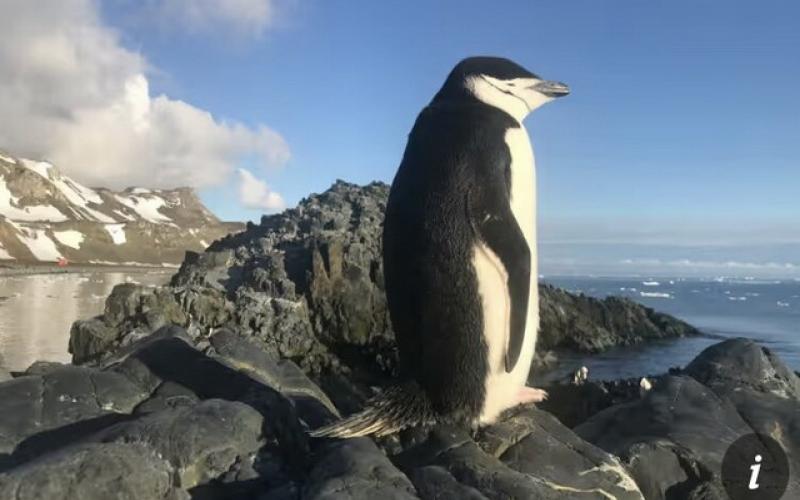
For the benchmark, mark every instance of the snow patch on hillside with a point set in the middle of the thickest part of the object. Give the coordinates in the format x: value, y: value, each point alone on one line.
x: 80, y: 196
x: 98, y: 216
x: 77, y: 193
x: 116, y: 232
x: 37, y: 241
x: 7, y: 159
x: 3, y: 254
x: 124, y: 216
x: 40, y: 167
x: 70, y: 238
x: 33, y: 213
x: 146, y: 207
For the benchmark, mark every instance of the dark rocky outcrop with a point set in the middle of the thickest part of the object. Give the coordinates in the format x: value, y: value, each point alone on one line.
x: 229, y: 421
x: 308, y: 284
x: 589, y: 324
x: 205, y: 389
x: 93, y: 471
x: 674, y: 439
x: 528, y: 455
x: 166, y: 417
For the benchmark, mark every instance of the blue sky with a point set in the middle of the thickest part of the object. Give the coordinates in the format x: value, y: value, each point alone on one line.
x: 680, y: 136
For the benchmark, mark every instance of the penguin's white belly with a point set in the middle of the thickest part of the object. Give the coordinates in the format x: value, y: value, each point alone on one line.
x: 502, y: 388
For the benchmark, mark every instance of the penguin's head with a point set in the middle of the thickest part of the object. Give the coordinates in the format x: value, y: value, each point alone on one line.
x: 501, y: 83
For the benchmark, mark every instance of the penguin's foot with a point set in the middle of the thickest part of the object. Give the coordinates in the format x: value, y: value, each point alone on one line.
x: 531, y: 395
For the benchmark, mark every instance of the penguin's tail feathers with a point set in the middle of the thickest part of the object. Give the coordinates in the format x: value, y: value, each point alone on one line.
x: 393, y: 410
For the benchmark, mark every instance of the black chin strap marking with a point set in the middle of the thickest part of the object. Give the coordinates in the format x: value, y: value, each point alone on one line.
x: 507, y: 92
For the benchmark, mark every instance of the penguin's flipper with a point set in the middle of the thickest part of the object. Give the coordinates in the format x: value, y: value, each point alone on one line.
x: 494, y: 223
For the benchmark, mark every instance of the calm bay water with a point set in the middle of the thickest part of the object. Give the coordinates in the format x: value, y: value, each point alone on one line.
x: 37, y: 310
x: 765, y: 310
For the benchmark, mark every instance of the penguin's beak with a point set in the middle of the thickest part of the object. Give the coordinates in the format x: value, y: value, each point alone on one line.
x: 551, y: 89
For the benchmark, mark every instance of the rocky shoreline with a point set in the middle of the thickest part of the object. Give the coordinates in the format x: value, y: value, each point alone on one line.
x: 205, y: 389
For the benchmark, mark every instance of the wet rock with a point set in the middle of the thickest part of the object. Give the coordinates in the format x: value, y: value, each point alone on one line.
x: 356, y: 469
x: 764, y: 391
x: 33, y: 405
x: 529, y: 455
x: 740, y: 363
x: 678, y: 409
x: 217, y: 420
x: 573, y: 404
x: 89, y: 338
x: 313, y: 405
x: 131, y: 313
x: 674, y: 438
x: 43, y: 367
x: 168, y: 396
x: 93, y: 471
x: 200, y: 442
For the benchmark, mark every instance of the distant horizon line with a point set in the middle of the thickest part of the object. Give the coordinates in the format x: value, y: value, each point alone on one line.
x: 718, y: 278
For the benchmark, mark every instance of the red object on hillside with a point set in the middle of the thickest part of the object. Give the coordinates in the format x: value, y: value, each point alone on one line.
x: 62, y: 262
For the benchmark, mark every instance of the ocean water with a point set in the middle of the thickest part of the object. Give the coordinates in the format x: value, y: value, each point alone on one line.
x: 767, y: 311
x: 37, y: 310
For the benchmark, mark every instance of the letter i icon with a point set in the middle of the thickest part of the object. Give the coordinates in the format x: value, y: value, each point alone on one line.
x: 756, y: 468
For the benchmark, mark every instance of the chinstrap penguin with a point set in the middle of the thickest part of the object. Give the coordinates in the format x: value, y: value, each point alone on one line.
x: 459, y: 255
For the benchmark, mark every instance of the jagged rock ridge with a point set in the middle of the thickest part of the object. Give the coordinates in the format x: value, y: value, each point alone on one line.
x: 308, y: 283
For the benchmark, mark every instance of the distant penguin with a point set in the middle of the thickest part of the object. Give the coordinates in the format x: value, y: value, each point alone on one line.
x: 459, y: 255
x: 644, y: 386
x: 580, y: 376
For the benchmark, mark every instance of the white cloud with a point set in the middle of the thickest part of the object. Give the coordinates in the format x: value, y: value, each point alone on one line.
x: 72, y: 94
x: 237, y: 18
x: 255, y: 193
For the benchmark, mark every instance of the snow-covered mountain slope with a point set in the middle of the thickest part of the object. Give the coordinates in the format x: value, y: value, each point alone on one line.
x: 45, y: 215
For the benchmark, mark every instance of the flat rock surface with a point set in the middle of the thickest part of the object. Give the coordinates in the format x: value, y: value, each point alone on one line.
x: 93, y: 471
x: 356, y: 469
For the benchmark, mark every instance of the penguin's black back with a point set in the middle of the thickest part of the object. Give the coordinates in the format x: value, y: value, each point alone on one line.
x: 454, y: 149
